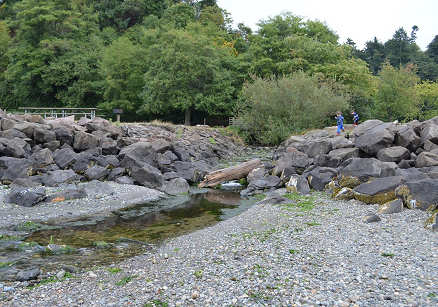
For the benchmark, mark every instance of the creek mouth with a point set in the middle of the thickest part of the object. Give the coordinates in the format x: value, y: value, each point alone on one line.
x: 88, y: 243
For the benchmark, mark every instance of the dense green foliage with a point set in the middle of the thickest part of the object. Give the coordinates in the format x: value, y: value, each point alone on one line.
x: 181, y: 60
x: 272, y: 108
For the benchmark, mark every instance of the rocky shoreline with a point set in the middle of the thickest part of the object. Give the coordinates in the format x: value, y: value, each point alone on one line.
x: 271, y: 255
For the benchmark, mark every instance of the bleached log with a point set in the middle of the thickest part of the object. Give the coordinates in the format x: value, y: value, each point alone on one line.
x: 230, y: 173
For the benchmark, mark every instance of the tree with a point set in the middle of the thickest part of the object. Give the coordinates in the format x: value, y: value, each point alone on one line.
x: 432, y: 49
x: 374, y: 55
x: 401, y: 47
x: 397, y: 97
x: 123, y: 66
x: 274, y: 108
x: 428, y: 93
x: 41, y: 70
x: 187, y: 72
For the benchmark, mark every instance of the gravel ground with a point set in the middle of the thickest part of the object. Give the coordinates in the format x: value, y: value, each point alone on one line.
x: 269, y: 256
x: 123, y: 197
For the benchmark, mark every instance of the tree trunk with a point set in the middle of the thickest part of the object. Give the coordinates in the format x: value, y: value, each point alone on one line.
x: 187, y: 117
x: 230, y: 173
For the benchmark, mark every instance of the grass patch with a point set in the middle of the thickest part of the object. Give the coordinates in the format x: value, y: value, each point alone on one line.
x: 52, y: 279
x: 293, y: 251
x: 156, y: 303
x: 113, y: 270
x: 6, y: 238
x: 212, y: 141
x: 198, y: 274
x: 6, y: 264
x: 312, y: 224
x: 125, y: 280
x: 387, y: 255
x: 302, y: 203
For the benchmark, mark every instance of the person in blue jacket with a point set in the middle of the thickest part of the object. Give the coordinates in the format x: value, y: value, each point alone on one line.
x: 355, y: 118
x: 339, y: 122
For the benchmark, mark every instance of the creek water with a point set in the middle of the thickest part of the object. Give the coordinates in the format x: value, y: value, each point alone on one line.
x: 89, y: 243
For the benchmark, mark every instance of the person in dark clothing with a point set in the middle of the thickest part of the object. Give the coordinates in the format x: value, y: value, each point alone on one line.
x: 355, y: 118
x: 339, y: 122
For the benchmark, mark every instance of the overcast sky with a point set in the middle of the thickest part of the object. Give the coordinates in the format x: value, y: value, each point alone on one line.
x: 359, y: 20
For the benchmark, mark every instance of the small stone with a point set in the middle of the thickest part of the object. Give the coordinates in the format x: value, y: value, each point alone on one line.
x: 60, y: 274
x: 195, y: 295
x: 92, y: 274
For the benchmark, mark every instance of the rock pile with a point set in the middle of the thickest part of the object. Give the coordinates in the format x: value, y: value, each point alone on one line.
x: 37, y: 153
x: 389, y: 164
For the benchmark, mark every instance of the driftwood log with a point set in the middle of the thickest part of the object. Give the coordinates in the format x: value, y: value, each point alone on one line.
x: 230, y: 173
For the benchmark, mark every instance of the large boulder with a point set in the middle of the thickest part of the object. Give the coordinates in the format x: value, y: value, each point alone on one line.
x: 345, y: 153
x: 175, y: 186
x: 355, y: 171
x: 140, y: 152
x: 420, y: 194
x: 425, y: 159
x: 26, y: 197
x: 375, y: 139
x: 43, y: 157
x: 64, y: 134
x: 96, y: 172
x: 364, y: 127
x: 430, y: 133
x: 393, y: 154
x: 319, y: 147
x: 42, y: 135
x: 65, y: 158
x: 84, y: 141
x: 298, y: 161
x: 55, y: 178
x: 327, y: 160
x: 318, y: 177
x: 66, y: 194
x: 264, y: 183
x: 26, y: 128
x: 192, y: 171
x: 378, y: 191
x: 411, y: 174
x: 147, y: 176
x: 15, y: 168
x: 394, y: 206
x: 18, y: 148
x: 407, y: 138
x: 96, y: 187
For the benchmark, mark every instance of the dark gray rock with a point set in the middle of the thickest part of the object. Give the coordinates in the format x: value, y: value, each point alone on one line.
x: 27, y: 275
x: 395, y: 206
x: 417, y: 194
x: 192, y: 171
x: 319, y: 147
x: 23, y: 183
x: 264, y: 183
x: 18, y: 148
x: 55, y: 178
x: 25, y: 127
x: 318, y: 177
x: 26, y: 197
x: 65, y: 158
x: 84, y: 141
x: 41, y: 135
x: 366, y: 168
x: 175, y: 186
x: 64, y: 134
x: 96, y: 172
x: 430, y: 133
x: 147, y: 176
x: 411, y: 174
x: 425, y: 159
x: 109, y: 147
x: 141, y: 152
x: 345, y: 153
x: 256, y: 174
x: 15, y: 168
x: 325, y: 160
x: 393, y: 154
x: 115, y: 173
x: 161, y: 146
x: 43, y: 157
x: 375, y: 139
x: 407, y: 138
x: 298, y: 161
x: 371, y: 218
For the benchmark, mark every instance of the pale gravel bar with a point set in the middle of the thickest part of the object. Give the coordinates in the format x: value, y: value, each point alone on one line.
x: 123, y: 196
x: 269, y: 256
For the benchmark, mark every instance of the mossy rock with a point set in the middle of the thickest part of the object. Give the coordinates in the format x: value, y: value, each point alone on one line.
x: 394, y: 206
x: 380, y: 198
x: 343, y: 194
x: 349, y: 182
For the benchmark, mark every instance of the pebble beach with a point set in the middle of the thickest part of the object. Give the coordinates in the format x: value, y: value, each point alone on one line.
x: 270, y: 255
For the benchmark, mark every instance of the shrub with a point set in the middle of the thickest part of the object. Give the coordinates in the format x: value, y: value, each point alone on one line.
x: 272, y: 109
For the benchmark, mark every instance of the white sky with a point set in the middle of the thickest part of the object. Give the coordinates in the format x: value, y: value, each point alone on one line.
x: 359, y: 20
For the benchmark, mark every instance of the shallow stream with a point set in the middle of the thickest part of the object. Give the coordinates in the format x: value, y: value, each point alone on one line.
x: 89, y: 243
